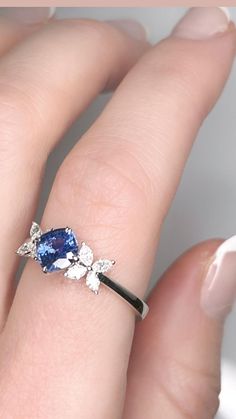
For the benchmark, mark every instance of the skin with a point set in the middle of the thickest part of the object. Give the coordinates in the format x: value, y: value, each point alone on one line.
x: 65, y: 353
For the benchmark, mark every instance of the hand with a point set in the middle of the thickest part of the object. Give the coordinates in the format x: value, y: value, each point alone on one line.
x: 64, y: 352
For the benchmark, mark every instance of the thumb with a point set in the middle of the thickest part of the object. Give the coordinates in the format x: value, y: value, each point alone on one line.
x: 175, y: 364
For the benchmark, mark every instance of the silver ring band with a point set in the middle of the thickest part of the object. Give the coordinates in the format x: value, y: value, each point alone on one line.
x: 58, y: 250
x: 139, y: 305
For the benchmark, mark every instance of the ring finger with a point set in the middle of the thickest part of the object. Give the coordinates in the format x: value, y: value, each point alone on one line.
x: 46, y: 81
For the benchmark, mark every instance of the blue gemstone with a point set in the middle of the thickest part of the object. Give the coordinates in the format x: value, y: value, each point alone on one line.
x: 54, y: 249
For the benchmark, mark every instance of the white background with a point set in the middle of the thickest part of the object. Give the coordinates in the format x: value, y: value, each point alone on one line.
x: 205, y: 205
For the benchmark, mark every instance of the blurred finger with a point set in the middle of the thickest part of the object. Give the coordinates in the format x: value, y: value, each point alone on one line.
x: 174, y: 370
x: 17, y: 23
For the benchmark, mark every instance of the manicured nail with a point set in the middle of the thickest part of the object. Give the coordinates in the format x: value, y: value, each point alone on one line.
x: 219, y: 288
x: 130, y: 27
x: 202, y: 23
x: 30, y: 15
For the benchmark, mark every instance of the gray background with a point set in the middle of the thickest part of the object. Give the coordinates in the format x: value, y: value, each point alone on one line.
x: 205, y: 204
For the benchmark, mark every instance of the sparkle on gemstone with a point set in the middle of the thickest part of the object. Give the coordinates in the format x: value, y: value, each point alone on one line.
x: 93, y: 281
x: 102, y: 265
x: 55, y: 248
x: 76, y: 271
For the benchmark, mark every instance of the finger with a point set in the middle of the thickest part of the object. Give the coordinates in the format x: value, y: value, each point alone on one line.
x: 176, y: 351
x: 107, y: 190
x: 54, y: 66
x: 17, y: 23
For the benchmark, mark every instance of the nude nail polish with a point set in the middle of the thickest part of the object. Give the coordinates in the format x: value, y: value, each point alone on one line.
x: 202, y: 23
x: 219, y: 287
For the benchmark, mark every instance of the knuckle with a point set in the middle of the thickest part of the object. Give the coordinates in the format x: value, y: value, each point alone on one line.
x: 99, y: 190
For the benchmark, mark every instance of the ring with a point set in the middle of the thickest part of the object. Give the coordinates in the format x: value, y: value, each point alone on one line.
x: 58, y: 249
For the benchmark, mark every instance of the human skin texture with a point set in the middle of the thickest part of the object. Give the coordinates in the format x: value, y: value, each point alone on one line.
x: 66, y: 353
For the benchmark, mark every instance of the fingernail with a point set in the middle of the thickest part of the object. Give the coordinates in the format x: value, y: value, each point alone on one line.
x: 219, y: 287
x: 30, y: 15
x: 130, y: 27
x: 202, y: 23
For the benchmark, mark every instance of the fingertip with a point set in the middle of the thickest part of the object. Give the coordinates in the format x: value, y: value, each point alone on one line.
x: 178, y: 345
x: 29, y: 15
x: 131, y: 28
x: 175, y: 303
x: 192, y: 264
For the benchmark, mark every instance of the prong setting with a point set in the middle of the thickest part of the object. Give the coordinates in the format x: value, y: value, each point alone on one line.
x: 58, y: 250
x: 76, y: 261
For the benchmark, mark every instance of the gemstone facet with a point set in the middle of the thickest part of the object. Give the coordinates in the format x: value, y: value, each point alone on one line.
x: 76, y: 271
x: 85, y: 266
x: 27, y: 249
x: 92, y: 281
x: 56, y: 248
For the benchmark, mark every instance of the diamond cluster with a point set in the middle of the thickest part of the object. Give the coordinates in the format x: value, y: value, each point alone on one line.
x: 86, y: 266
x: 28, y: 249
x: 58, y: 249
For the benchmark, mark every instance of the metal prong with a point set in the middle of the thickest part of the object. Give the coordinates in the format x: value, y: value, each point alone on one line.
x: 113, y: 262
x: 35, y: 258
x: 45, y: 270
x: 68, y: 229
x: 83, y: 243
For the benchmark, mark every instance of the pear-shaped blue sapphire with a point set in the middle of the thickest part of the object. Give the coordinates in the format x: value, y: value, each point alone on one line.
x: 55, y: 249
